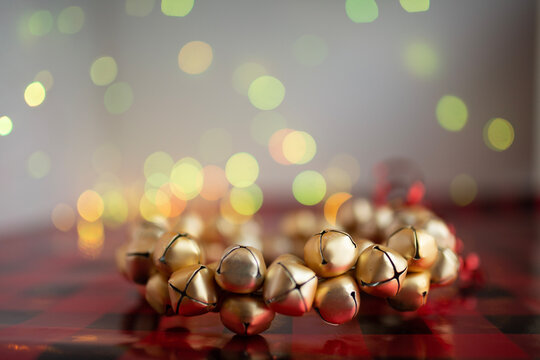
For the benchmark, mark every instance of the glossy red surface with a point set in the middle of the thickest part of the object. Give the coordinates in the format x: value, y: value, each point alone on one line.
x: 55, y: 304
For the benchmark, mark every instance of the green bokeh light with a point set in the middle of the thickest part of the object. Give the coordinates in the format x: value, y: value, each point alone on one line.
x: 176, y: 7
x: 266, y: 92
x: 362, y: 11
x: 309, y: 187
x: 6, y: 125
x: 70, y: 20
x: 414, y: 5
x: 118, y: 98
x: 40, y: 23
x: 452, y: 113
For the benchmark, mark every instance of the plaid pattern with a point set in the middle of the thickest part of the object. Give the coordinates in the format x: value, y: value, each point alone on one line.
x: 54, y: 304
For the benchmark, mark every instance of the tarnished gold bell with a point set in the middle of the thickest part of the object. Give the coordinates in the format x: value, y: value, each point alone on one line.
x: 192, y: 290
x: 241, y: 269
x: 330, y: 253
x: 446, y: 267
x: 440, y: 231
x: 356, y: 215
x: 289, y: 287
x: 245, y: 314
x: 157, y: 293
x: 380, y: 271
x: 176, y: 250
x: 417, y: 246
x: 337, y: 300
x: 413, y: 292
x: 139, y: 265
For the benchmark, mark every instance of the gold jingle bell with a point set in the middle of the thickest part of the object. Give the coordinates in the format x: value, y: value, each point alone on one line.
x: 245, y: 314
x: 337, y: 300
x: 413, y: 294
x: 241, y: 269
x: 380, y: 271
x: 176, y: 250
x: 356, y: 215
x: 417, y: 246
x: 286, y: 258
x: 440, y: 231
x: 289, y: 287
x: 192, y: 290
x: 363, y: 244
x: 157, y: 294
x: 139, y: 265
x: 445, y: 269
x: 330, y: 253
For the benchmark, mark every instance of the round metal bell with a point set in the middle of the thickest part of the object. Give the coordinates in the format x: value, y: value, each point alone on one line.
x: 446, y: 267
x: 175, y: 251
x: 356, y: 215
x: 417, y: 246
x: 330, y: 253
x: 139, y: 264
x: 157, y: 294
x: 241, y: 269
x: 192, y: 290
x: 289, y: 287
x: 245, y: 314
x: 440, y: 231
x: 287, y: 258
x: 363, y: 244
x: 380, y: 271
x: 413, y: 294
x: 337, y: 300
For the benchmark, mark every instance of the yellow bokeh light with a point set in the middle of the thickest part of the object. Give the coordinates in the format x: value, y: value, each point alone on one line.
x: 40, y: 23
x: 34, y: 94
x: 246, y: 201
x: 332, y: 205
x: 266, y: 92
x: 176, y: 7
x: 115, y: 208
x: 414, y: 5
x: 118, y: 98
x: 275, y: 146
x: 498, y: 134
x: 90, y: 205
x: 337, y: 180
x: 245, y: 74
x: 452, y: 113
x: 106, y: 158
x: 299, y: 147
x: 348, y: 163
x: 309, y: 187
x: 362, y: 11
x: 195, y: 57
x: 265, y: 124
x: 229, y: 214
x: 91, y: 238
x: 186, y: 178
x: 215, y: 183
x: 310, y: 50
x: 103, y: 70
x: 63, y: 217
x: 158, y: 162
x: 463, y: 189
x: 39, y: 164
x: 139, y: 8
x: 215, y: 145
x: 6, y: 125
x: 421, y: 60
x: 242, y: 169
x: 70, y: 20
x: 45, y: 78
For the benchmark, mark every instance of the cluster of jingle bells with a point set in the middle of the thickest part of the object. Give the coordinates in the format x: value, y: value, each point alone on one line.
x: 395, y: 253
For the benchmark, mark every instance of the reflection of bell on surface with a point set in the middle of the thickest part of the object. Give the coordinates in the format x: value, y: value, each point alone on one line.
x: 243, y: 347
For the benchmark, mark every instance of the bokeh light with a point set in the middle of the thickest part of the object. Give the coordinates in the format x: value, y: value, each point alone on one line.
x: 421, y: 60
x: 195, y: 57
x: 6, y: 125
x: 414, y: 5
x: 40, y: 23
x: 310, y: 50
x: 63, y: 217
x: 215, y: 184
x: 45, y: 78
x: 139, y: 8
x: 106, y: 158
x: 158, y: 163
x: 463, y: 189
x: 91, y: 238
x: 362, y: 11
x: 299, y: 147
x: 178, y: 8
x: 332, y: 205
x: 90, y: 205
x: 275, y: 146
x: 215, y: 145
x: 186, y: 178
x: 498, y: 134
x: 452, y: 113
x: 242, y: 169
x: 244, y: 75
x: 70, y: 20
x: 247, y: 200
x: 229, y: 214
x: 265, y: 124
x: 34, y: 94
x: 118, y: 98
x: 103, y: 71
x: 309, y: 187
x: 337, y: 180
x: 266, y: 92
x: 115, y: 208
x: 39, y: 164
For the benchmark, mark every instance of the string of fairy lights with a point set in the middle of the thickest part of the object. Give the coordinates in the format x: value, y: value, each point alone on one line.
x: 169, y: 184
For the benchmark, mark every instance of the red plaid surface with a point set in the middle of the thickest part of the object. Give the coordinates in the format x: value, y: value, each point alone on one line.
x: 54, y: 304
